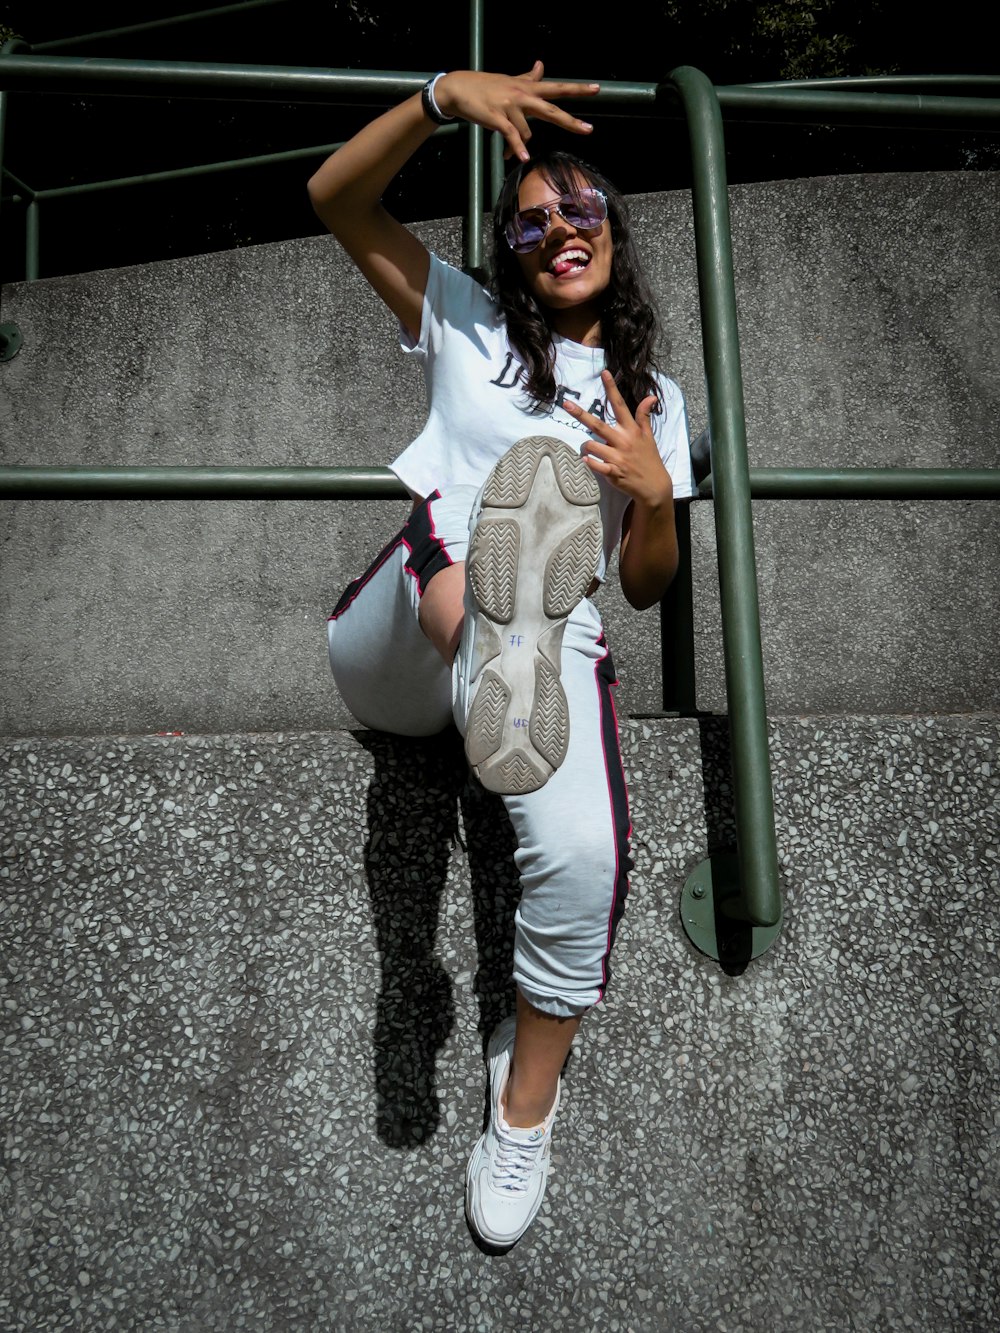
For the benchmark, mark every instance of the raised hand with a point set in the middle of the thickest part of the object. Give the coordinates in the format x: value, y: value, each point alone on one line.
x: 625, y: 450
x: 503, y: 102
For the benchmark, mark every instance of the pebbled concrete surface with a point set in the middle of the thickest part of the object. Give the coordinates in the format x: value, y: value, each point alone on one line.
x: 246, y: 981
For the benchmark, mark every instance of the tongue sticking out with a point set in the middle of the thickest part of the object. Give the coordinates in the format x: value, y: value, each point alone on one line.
x: 568, y: 265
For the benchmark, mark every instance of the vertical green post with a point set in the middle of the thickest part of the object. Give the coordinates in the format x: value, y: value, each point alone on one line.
x: 3, y: 114
x: 3, y: 129
x: 10, y: 334
x: 756, y: 899
x: 477, y: 174
x: 496, y: 166
x: 677, y: 628
x: 31, y: 241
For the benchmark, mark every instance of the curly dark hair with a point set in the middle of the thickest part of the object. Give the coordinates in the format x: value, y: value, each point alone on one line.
x: 629, y: 324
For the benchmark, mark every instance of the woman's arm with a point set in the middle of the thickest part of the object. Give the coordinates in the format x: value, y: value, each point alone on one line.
x: 647, y: 561
x: 625, y: 452
x: 346, y: 191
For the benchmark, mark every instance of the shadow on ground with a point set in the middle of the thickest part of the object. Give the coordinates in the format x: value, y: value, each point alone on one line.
x: 420, y: 802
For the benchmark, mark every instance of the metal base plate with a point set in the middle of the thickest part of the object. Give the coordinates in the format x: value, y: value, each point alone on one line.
x: 710, y: 908
x: 10, y: 341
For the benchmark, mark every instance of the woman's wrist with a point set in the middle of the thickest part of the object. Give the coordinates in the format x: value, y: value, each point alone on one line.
x: 657, y: 499
x: 429, y: 100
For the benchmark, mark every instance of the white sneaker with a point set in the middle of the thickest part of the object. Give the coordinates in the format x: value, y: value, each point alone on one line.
x: 535, y: 546
x: 509, y: 1167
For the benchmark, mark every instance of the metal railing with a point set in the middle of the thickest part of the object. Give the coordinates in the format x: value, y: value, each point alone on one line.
x: 731, y: 905
x: 834, y: 101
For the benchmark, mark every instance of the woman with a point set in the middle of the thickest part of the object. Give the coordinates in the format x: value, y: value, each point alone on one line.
x: 551, y: 429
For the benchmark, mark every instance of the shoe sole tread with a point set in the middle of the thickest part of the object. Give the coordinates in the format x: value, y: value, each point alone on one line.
x: 518, y: 728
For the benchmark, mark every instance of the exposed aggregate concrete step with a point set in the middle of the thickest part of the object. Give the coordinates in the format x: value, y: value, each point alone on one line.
x: 247, y: 982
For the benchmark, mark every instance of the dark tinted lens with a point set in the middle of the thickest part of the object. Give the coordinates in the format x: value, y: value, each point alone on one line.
x: 587, y: 209
x: 526, y: 229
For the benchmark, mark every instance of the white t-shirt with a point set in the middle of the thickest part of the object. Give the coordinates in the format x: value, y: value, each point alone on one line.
x: 478, y: 409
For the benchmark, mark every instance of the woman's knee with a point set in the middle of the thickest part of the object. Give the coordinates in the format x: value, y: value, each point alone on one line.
x: 579, y: 858
x: 386, y: 672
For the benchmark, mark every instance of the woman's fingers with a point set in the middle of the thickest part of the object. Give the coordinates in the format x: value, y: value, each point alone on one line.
x: 598, y: 449
x: 597, y: 464
x: 520, y: 123
x: 558, y: 87
x: 614, y: 431
x: 539, y: 98
x: 619, y: 407
x: 599, y: 453
x: 514, y: 138
x: 623, y: 451
x: 562, y: 88
x: 541, y: 111
x: 616, y: 401
x: 596, y: 426
x: 504, y: 103
x: 545, y: 109
x: 642, y: 412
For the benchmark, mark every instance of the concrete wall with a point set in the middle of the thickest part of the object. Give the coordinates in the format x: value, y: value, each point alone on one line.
x: 869, y: 317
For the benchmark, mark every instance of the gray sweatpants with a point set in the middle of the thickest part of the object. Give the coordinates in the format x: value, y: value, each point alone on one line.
x: 573, y: 833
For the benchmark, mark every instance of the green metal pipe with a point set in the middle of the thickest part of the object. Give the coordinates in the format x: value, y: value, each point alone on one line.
x: 790, y: 483
x: 25, y: 189
x: 754, y: 808
x: 203, y: 169
x: 10, y: 334
x: 31, y: 230
x: 183, y: 173
x: 677, y: 663
x: 944, y: 84
x: 158, y: 78
x: 199, y: 483
x: 497, y: 146
x: 832, y: 107
x: 167, y: 78
x: 3, y: 128
x: 618, y: 92
x: 64, y: 483
x: 61, y: 43
x: 284, y: 83
x: 477, y: 173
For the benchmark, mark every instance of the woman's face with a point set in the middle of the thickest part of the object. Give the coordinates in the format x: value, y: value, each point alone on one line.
x: 571, y: 267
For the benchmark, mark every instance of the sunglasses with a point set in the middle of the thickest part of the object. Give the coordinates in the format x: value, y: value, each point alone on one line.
x: 584, y: 210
